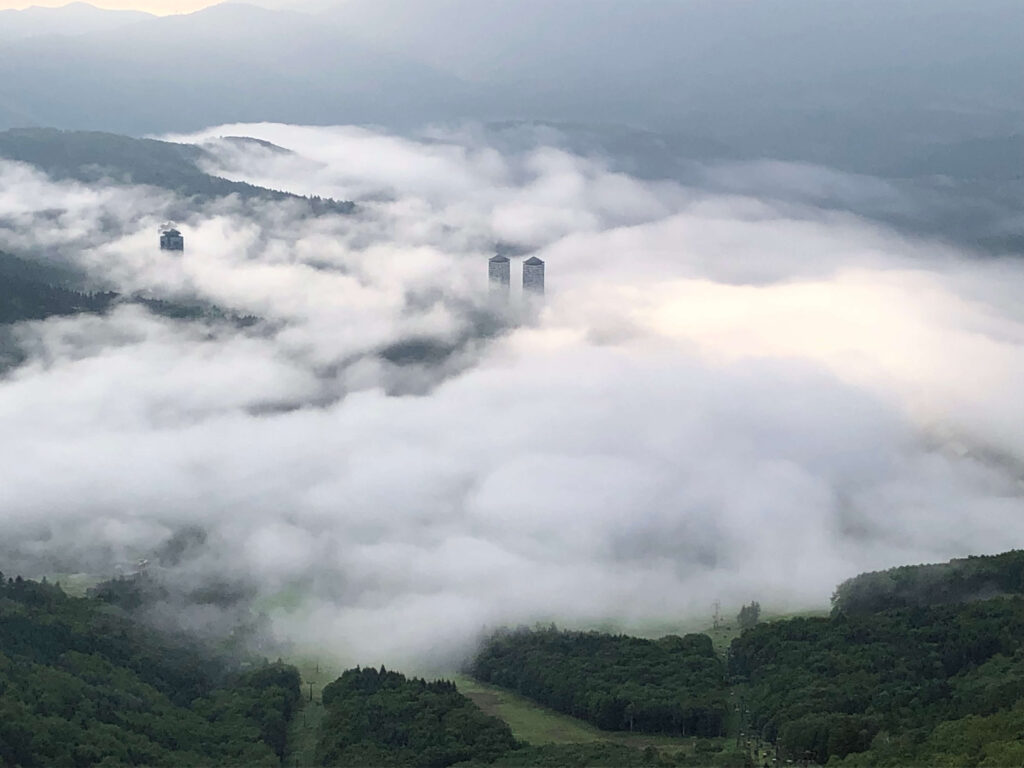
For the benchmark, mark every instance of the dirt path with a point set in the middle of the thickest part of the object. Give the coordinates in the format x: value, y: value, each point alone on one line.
x: 302, y: 731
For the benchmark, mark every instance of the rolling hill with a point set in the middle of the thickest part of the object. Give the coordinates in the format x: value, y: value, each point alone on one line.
x: 70, y: 19
x: 90, y: 156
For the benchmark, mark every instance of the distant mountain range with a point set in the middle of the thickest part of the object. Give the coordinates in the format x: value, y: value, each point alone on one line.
x: 850, y: 84
x: 228, y: 63
x: 71, y: 19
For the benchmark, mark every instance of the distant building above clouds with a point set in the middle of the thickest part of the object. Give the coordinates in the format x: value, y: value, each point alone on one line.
x: 499, y: 274
x: 171, y: 240
x: 533, y: 276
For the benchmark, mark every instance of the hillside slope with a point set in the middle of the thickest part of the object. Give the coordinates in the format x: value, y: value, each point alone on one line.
x: 83, y: 685
x: 90, y: 156
x: 958, y: 581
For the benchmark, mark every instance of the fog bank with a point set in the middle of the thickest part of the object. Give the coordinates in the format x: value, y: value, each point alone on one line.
x: 724, y: 396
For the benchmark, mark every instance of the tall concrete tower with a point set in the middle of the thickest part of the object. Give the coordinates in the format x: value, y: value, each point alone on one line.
x: 499, y: 275
x: 533, y: 276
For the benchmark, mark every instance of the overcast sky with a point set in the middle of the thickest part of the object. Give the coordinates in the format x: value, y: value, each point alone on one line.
x: 158, y: 7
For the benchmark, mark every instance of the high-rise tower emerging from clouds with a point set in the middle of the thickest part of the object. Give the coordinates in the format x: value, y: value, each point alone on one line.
x: 499, y: 275
x: 171, y: 240
x: 533, y: 276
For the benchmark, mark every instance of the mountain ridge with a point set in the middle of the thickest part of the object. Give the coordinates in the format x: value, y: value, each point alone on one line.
x: 90, y: 156
x: 67, y: 20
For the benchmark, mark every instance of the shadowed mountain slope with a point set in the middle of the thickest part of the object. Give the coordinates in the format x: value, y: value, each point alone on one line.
x: 90, y: 156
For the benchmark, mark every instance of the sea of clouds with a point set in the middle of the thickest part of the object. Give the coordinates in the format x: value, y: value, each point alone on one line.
x: 726, y: 395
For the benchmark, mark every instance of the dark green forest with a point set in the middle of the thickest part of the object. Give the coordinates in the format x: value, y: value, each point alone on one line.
x: 381, y: 718
x: 886, y: 684
x: 958, y: 581
x: 83, y: 682
x: 914, y: 667
x: 81, y: 685
x: 378, y: 717
x: 675, y: 685
x: 564, y: 755
x: 610, y: 755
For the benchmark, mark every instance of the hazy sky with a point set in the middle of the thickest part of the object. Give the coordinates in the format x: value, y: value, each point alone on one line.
x: 159, y: 7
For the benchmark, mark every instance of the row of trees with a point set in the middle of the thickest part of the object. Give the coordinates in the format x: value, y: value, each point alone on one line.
x: 82, y: 685
x: 749, y: 615
x: 603, y: 754
x: 958, y: 581
x: 381, y: 718
x: 377, y: 717
x: 675, y: 685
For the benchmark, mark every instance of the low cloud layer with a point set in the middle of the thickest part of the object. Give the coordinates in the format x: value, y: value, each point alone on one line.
x: 725, y: 396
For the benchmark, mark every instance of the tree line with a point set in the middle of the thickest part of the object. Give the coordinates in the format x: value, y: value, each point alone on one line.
x: 378, y: 717
x: 958, y: 581
x: 675, y: 685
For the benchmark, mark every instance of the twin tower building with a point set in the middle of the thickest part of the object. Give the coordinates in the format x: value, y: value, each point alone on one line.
x: 499, y: 274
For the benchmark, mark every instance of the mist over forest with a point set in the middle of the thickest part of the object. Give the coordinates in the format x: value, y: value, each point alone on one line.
x: 735, y: 388
x: 775, y: 364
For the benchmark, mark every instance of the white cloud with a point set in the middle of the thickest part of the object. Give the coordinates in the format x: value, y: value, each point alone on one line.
x: 724, y: 397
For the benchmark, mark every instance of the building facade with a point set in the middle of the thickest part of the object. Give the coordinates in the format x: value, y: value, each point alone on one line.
x: 499, y: 274
x: 533, y: 276
x: 171, y: 240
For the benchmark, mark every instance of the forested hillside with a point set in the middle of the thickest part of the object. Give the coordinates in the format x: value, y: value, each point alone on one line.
x: 28, y: 300
x: 913, y: 668
x: 34, y: 290
x: 90, y: 156
x: 377, y: 717
x: 83, y: 685
x: 30, y: 290
x: 958, y: 581
x: 880, y: 683
x: 381, y: 718
x: 675, y: 685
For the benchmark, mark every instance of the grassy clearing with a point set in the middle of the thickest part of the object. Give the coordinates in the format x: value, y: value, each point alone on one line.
x: 74, y: 584
x: 722, y: 637
x: 302, y: 731
x: 539, y: 725
x: 529, y: 722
